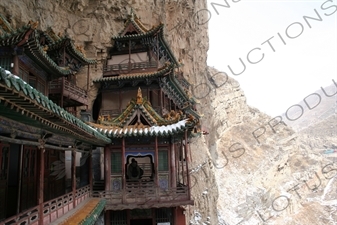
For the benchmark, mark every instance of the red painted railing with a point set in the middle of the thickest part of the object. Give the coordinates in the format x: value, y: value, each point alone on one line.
x: 141, y: 193
x: 69, y: 89
x: 52, y: 209
x: 128, y: 67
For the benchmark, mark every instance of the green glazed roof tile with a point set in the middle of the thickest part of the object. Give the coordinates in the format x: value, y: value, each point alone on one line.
x: 11, y: 80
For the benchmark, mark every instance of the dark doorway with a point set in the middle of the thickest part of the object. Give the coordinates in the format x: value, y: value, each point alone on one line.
x: 141, y: 222
x: 96, y: 107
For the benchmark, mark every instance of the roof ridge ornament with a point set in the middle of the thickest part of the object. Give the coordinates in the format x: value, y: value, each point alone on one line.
x: 139, y: 97
x: 33, y: 24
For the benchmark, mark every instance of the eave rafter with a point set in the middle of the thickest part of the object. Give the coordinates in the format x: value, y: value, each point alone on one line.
x: 19, y: 100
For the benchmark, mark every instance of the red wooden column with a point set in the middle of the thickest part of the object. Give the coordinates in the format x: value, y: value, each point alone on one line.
x: 62, y: 91
x: 73, y: 176
x: 107, y: 217
x: 41, y: 185
x: 174, y: 214
x: 107, y: 162
x: 123, y: 168
x: 15, y: 69
x: 88, y: 73
x: 173, y: 165
x: 156, y: 161
x: 187, y: 160
x: 90, y: 170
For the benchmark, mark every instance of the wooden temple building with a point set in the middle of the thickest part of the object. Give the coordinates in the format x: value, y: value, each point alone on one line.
x: 44, y: 149
x: 143, y: 118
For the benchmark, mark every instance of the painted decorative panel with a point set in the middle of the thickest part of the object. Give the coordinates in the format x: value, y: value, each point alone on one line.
x: 116, y: 184
x: 163, y: 181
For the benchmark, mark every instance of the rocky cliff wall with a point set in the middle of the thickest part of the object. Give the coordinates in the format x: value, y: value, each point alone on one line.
x: 265, y: 172
x: 249, y: 168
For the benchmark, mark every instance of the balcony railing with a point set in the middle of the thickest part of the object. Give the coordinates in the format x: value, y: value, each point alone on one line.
x: 124, y: 68
x: 69, y: 90
x: 143, y: 194
x: 52, y: 209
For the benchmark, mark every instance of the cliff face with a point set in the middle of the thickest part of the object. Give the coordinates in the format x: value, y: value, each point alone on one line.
x: 265, y: 172
x: 249, y: 168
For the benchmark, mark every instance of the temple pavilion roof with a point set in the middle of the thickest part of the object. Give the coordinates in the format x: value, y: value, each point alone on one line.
x: 56, y: 42
x: 132, y: 76
x: 153, y: 37
x: 23, y: 103
x: 140, y: 119
x: 5, y: 27
x: 28, y: 37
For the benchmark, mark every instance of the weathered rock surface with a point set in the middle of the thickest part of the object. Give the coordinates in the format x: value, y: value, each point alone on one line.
x: 247, y: 161
x: 265, y: 171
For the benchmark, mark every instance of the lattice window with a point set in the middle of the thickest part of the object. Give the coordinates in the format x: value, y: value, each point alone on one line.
x: 164, y: 215
x: 116, y: 162
x: 163, y: 160
x: 5, y: 62
x: 24, y: 74
x: 118, y: 218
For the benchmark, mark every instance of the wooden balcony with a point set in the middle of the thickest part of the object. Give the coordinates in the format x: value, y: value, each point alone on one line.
x: 69, y: 94
x: 52, y: 210
x: 144, y: 194
x: 117, y: 69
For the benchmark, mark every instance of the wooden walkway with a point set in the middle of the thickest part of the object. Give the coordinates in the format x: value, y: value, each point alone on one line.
x: 81, y: 216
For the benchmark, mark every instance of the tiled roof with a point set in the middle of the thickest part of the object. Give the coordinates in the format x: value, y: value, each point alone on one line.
x: 173, y: 123
x: 29, y: 37
x: 5, y: 27
x: 13, y: 38
x: 129, y: 131
x: 145, y: 109
x: 70, y: 49
x: 36, y: 52
x: 131, y: 76
x: 135, y: 21
x: 33, y: 108
x: 151, y: 32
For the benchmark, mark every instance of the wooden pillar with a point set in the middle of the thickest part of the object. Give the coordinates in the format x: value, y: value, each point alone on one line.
x: 90, y: 170
x: 157, y: 51
x: 73, y: 176
x: 129, y: 55
x: 120, y: 100
x: 153, y: 216
x: 128, y: 216
x: 107, y: 159
x: 107, y: 217
x: 182, y: 152
x: 187, y: 160
x: 123, y: 169
x: 20, y: 180
x: 176, y: 149
x: 156, y: 161
x: 41, y: 185
x: 161, y: 101
x: 174, y: 214
x: 88, y: 73
x: 62, y: 91
x: 173, y: 165
x: 15, y: 69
